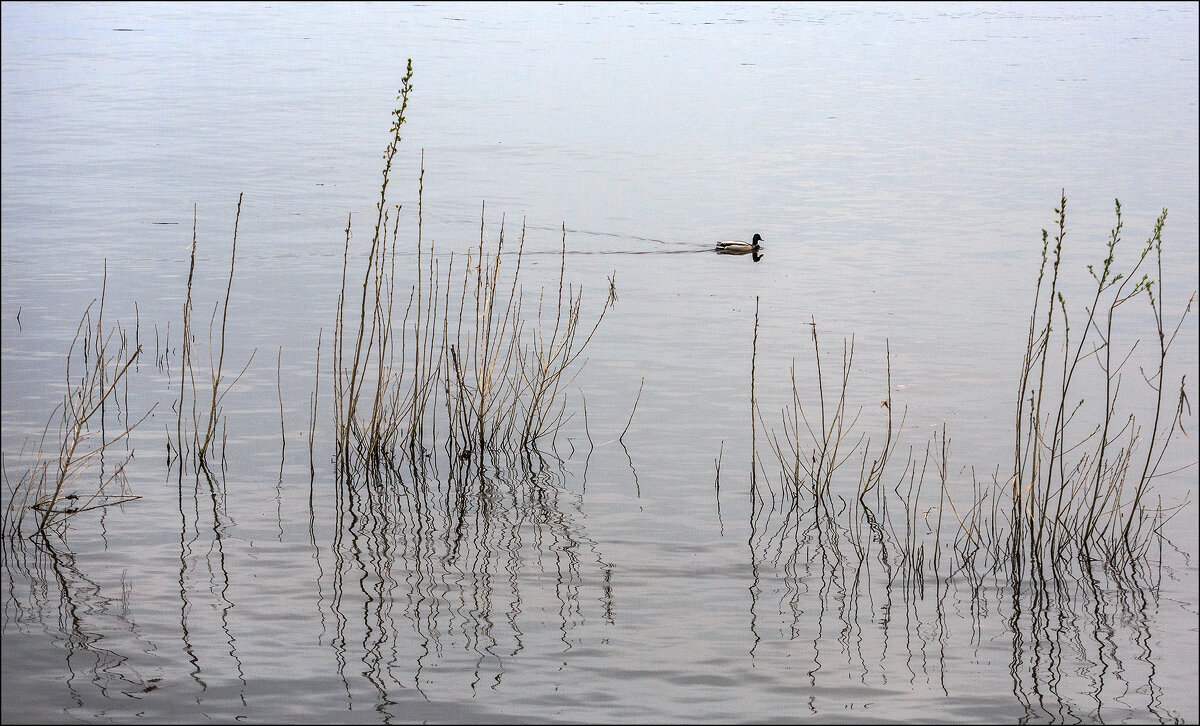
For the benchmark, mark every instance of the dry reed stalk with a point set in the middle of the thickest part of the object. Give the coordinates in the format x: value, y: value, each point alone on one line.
x: 198, y: 440
x: 355, y: 377
x: 312, y: 413
x: 214, y: 408
x: 279, y: 394
x: 185, y: 355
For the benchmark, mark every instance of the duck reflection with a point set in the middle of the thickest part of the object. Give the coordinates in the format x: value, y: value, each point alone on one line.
x: 755, y: 255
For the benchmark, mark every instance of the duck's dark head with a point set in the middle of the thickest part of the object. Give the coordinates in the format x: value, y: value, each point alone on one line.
x: 757, y: 238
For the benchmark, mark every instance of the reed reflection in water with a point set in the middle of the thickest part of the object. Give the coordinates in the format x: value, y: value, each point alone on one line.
x: 439, y: 580
x: 1079, y: 649
x: 47, y: 591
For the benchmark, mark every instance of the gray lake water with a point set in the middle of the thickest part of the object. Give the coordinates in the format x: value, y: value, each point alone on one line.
x: 900, y: 162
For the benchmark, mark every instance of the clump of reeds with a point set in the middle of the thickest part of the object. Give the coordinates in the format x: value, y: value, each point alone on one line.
x: 372, y: 435
x: 76, y: 438
x: 506, y: 375
x: 68, y: 473
x: 1082, y: 471
x: 829, y: 472
x: 1079, y: 487
x: 469, y: 375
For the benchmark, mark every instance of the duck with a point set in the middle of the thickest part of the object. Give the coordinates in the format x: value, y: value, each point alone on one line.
x: 739, y: 247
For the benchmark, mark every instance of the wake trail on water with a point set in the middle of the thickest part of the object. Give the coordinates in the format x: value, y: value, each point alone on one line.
x: 643, y: 246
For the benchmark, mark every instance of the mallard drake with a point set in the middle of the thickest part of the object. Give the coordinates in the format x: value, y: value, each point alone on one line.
x: 738, y: 247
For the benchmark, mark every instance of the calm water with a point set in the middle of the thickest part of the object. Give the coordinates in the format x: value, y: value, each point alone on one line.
x: 900, y: 161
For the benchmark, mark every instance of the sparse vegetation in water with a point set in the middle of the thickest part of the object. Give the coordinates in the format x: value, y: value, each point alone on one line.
x: 196, y: 438
x: 469, y: 376
x: 1079, y: 491
x: 67, y: 472
x: 446, y: 484
x: 467, y: 372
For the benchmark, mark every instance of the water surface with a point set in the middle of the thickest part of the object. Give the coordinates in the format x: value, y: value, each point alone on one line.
x: 900, y: 161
